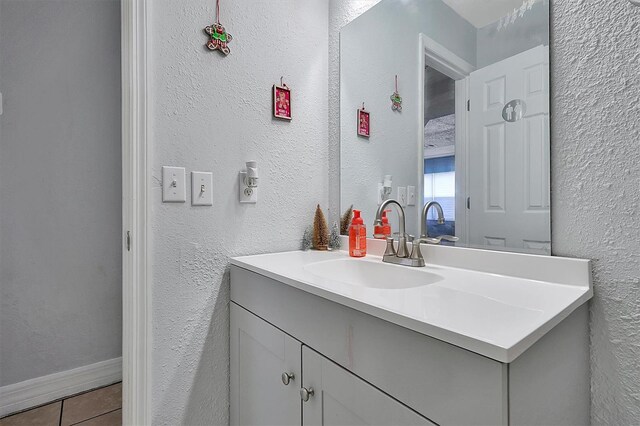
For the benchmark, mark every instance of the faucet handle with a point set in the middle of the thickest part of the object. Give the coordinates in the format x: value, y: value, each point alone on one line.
x: 416, y: 254
x: 390, y: 251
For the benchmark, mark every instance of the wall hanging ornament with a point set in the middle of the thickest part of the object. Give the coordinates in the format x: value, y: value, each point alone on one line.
x: 396, y: 100
x: 282, y: 101
x: 219, y: 38
x: 364, y: 122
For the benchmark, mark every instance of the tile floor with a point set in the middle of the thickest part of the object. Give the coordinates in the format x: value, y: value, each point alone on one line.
x: 99, y: 407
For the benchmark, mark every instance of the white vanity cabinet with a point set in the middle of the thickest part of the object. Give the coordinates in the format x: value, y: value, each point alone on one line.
x: 275, y: 380
x: 366, y: 370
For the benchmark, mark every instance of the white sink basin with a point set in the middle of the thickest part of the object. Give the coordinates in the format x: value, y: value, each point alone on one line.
x: 365, y: 273
x: 493, y: 303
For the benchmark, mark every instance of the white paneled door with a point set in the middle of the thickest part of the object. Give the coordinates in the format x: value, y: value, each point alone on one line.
x: 509, y: 160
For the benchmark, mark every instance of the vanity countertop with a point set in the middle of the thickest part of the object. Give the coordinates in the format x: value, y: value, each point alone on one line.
x: 495, y: 304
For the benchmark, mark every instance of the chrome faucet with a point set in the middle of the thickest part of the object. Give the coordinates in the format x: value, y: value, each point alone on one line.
x: 425, y: 211
x: 416, y: 254
x: 391, y: 255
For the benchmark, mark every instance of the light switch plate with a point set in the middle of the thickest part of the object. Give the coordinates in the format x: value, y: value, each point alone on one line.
x: 411, y: 195
x: 402, y: 196
x: 173, y: 185
x: 201, y: 189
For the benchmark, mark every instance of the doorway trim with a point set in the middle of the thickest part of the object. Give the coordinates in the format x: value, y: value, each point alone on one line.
x: 433, y: 54
x: 136, y: 291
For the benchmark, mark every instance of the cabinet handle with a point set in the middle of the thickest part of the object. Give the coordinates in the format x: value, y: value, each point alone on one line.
x: 305, y: 393
x: 287, y: 377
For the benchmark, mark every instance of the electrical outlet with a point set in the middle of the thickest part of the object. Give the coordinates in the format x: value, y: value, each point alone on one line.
x: 411, y: 195
x: 402, y: 196
x: 248, y: 195
x: 173, y: 185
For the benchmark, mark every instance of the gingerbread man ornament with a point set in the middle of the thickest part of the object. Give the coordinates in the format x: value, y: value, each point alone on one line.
x: 219, y: 38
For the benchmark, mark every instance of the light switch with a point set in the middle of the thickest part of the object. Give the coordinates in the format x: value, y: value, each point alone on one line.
x: 411, y: 195
x: 173, y: 185
x: 201, y: 189
x: 402, y: 196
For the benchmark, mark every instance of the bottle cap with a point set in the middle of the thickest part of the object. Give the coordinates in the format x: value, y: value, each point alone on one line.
x: 385, y: 219
x: 357, y: 220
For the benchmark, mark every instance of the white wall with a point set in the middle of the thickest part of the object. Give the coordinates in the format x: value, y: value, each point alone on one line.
x: 595, y: 182
x: 213, y: 113
x: 369, y: 63
x: 60, y: 186
x: 595, y: 179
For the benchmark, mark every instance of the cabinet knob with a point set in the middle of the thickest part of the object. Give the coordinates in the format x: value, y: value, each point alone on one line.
x: 305, y: 393
x: 287, y: 377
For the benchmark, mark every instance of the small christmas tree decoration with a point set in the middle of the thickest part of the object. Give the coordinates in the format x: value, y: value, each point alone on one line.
x: 345, y: 221
x: 334, y: 239
x: 219, y: 38
x: 307, y: 238
x: 320, y: 231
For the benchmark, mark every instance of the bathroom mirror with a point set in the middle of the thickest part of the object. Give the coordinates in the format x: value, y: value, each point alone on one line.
x: 456, y: 95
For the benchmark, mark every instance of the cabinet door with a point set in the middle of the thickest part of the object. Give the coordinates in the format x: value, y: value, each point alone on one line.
x: 343, y: 399
x: 260, y: 354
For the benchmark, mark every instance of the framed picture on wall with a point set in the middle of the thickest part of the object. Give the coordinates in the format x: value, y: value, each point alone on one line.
x: 364, y: 123
x: 281, y: 102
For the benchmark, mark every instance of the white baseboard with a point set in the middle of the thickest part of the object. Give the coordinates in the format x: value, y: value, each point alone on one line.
x: 41, y: 390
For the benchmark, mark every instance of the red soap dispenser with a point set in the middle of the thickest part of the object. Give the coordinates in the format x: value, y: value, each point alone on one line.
x: 381, y: 232
x: 357, y: 236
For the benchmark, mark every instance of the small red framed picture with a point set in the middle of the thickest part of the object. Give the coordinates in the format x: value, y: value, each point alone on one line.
x: 282, y: 102
x: 364, y: 123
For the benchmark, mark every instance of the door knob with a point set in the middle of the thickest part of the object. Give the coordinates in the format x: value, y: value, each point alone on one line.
x: 287, y: 377
x: 305, y: 393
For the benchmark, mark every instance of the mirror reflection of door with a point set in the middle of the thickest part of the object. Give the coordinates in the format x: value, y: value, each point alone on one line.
x: 509, y: 161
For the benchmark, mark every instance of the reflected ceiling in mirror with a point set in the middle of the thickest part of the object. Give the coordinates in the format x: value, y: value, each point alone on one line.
x: 473, y: 131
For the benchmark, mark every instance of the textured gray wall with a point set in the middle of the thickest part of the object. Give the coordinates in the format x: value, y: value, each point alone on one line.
x: 595, y: 177
x: 213, y: 113
x: 595, y: 154
x: 60, y: 186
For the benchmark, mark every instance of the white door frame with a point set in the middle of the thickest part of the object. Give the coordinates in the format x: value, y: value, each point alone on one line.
x: 437, y: 56
x: 136, y: 294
